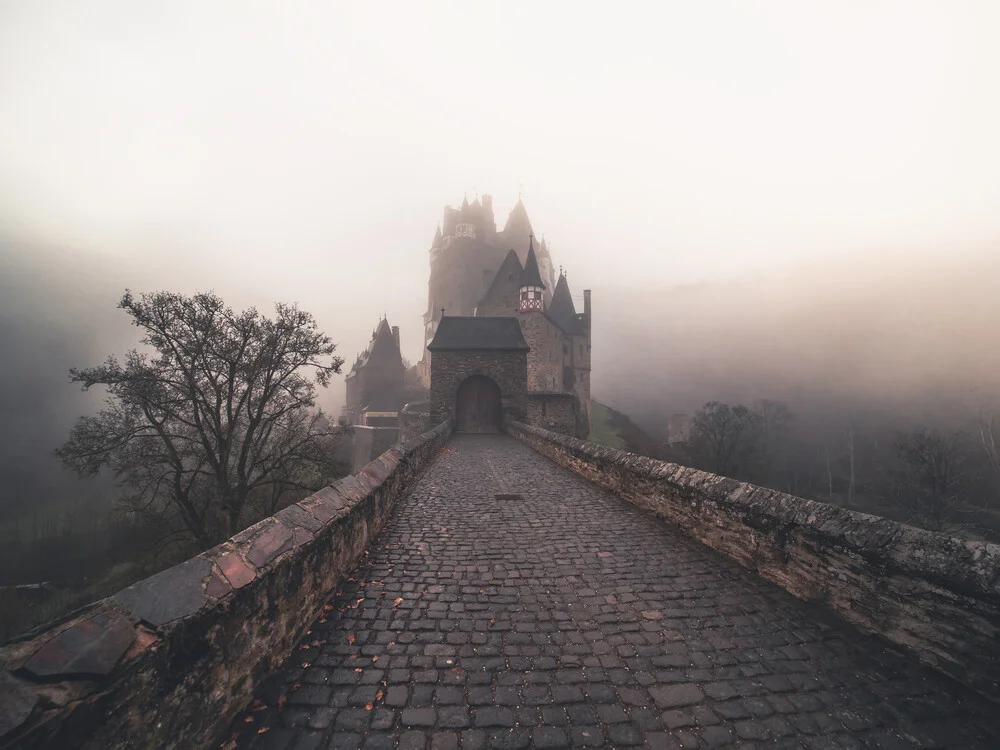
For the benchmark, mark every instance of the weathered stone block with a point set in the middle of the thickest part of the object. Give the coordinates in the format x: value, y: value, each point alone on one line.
x: 167, y: 596
x: 274, y: 540
x: 90, y: 647
x: 17, y: 700
x: 236, y: 570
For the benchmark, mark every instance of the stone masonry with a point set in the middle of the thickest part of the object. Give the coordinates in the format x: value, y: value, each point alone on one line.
x: 510, y: 603
x: 505, y: 368
x: 936, y: 596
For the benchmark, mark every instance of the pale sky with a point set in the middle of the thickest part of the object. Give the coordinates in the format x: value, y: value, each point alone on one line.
x: 303, y: 151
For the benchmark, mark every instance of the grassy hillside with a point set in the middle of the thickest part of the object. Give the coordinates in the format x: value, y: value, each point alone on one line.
x: 615, y: 430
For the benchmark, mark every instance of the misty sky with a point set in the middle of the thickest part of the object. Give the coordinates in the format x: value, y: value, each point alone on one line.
x: 303, y: 151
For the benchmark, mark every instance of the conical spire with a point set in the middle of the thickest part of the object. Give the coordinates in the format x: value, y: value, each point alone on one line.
x: 562, y: 311
x: 518, y: 222
x: 437, y: 237
x: 465, y: 202
x: 531, y: 276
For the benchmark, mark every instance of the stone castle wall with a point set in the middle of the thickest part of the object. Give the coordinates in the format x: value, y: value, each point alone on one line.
x: 545, y: 364
x: 169, y: 661
x: 505, y: 368
x: 933, y: 595
x: 558, y: 412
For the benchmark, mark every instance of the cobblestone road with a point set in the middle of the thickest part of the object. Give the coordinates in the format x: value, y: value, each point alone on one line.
x: 562, y: 616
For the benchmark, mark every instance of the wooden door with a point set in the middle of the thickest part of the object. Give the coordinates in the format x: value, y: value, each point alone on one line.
x: 477, y: 406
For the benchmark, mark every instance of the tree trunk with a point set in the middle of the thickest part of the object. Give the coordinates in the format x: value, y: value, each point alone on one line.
x: 850, y: 455
x: 829, y: 475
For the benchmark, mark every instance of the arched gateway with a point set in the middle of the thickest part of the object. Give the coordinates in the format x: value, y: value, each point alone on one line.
x: 477, y: 405
x: 479, y: 372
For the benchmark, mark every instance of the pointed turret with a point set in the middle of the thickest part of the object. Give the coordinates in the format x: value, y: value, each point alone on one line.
x: 465, y: 202
x: 561, y: 310
x: 437, y: 237
x: 531, y: 283
x: 531, y: 275
x: 518, y: 223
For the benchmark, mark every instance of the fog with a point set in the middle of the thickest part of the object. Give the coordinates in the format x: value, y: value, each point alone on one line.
x: 786, y: 200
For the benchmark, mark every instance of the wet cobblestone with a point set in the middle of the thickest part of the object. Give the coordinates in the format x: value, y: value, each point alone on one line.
x: 561, y: 616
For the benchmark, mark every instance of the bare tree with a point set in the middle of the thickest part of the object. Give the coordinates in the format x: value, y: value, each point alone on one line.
x: 931, y: 479
x: 850, y: 459
x: 988, y: 440
x: 829, y: 475
x: 221, y: 407
x: 773, y: 418
x: 724, y: 438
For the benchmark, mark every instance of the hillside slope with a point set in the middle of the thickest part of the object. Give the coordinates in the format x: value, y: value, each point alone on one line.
x: 616, y: 430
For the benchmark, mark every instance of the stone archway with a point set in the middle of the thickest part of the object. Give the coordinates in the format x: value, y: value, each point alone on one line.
x: 477, y: 405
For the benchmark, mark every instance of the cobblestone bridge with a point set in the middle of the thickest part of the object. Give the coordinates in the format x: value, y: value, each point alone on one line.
x: 512, y: 604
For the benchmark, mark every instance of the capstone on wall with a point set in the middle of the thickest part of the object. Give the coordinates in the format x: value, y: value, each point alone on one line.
x: 505, y: 368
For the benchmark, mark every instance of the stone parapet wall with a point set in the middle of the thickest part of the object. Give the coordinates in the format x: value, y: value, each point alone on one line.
x: 371, y: 442
x: 935, y: 596
x: 414, y: 419
x: 169, y: 661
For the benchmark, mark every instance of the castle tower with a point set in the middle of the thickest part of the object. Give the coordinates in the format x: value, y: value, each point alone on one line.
x: 531, y: 283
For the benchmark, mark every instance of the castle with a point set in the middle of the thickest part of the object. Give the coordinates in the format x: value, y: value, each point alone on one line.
x: 497, y: 313
x: 478, y: 272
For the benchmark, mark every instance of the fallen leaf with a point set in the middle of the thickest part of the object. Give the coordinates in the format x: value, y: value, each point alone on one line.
x: 397, y: 602
x: 282, y: 701
x: 263, y: 729
x: 358, y: 669
x: 375, y: 658
x: 369, y: 706
x: 306, y: 665
x: 378, y: 695
x: 248, y: 720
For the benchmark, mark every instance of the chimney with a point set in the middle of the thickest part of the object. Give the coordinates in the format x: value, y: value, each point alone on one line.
x: 586, y: 305
x: 395, y: 336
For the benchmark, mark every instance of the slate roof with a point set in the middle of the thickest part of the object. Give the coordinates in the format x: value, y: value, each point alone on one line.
x: 511, y: 266
x: 531, y: 276
x: 561, y: 310
x: 456, y: 332
x: 382, y: 339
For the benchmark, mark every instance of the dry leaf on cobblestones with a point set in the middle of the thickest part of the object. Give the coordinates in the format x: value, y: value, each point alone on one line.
x: 262, y: 730
x: 350, y: 638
